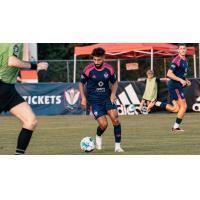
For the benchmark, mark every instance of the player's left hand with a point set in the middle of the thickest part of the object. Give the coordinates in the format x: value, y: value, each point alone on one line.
x: 113, y: 98
x: 42, y: 66
x: 188, y: 83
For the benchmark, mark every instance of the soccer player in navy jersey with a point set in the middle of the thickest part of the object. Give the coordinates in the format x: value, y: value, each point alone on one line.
x: 177, y: 74
x: 99, y: 82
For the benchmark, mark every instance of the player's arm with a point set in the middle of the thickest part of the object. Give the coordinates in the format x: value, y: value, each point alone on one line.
x: 82, y: 83
x: 114, y: 87
x: 83, y: 97
x: 13, y: 61
x: 171, y: 75
x: 164, y: 79
x: 141, y: 79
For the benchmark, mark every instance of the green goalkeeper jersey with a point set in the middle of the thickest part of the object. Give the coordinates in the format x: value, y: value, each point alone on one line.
x: 9, y: 74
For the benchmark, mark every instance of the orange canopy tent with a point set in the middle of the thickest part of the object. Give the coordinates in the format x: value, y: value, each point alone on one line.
x: 132, y: 50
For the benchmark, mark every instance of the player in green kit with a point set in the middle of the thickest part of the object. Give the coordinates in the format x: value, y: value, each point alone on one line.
x: 10, y: 64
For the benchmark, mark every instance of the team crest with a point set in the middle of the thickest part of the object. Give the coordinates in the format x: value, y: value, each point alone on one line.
x: 94, y: 76
x: 106, y: 75
x: 71, y: 99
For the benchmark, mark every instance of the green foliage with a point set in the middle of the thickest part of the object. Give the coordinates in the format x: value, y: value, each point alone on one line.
x: 59, y: 72
x: 57, y: 51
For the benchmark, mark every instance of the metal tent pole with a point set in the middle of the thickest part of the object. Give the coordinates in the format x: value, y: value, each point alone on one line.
x: 118, y: 70
x: 195, y: 66
x: 199, y: 60
x: 74, y: 78
x: 151, y: 58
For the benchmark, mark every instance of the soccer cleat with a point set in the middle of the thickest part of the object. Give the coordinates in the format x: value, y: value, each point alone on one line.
x: 177, y: 130
x: 98, y: 147
x: 119, y: 150
x: 98, y: 142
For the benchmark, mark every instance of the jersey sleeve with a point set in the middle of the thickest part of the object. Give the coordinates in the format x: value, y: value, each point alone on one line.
x: 113, y: 78
x: 172, y: 66
x: 84, y: 78
x: 175, y: 63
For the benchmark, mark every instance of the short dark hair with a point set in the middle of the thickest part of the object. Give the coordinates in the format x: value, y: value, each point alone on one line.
x: 98, y: 52
x: 182, y: 44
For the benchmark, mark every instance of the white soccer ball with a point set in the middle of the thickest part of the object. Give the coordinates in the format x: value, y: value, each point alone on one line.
x: 87, y: 144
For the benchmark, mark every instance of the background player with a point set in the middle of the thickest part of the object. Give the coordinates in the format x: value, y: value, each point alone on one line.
x: 151, y: 91
x: 97, y: 76
x: 177, y: 74
x: 10, y: 64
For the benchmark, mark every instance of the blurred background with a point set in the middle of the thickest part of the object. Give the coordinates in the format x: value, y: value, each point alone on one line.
x: 60, y: 57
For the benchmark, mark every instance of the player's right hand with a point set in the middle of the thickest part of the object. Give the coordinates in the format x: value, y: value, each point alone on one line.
x: 183, y: 82
x: 84, y: 103
x: 42, y: 66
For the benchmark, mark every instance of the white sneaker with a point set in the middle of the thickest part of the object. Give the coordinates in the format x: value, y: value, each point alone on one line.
x: 98, y: 142
x: 119, y: 150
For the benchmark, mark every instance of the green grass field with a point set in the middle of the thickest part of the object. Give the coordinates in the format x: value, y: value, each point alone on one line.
x: 142, y: 135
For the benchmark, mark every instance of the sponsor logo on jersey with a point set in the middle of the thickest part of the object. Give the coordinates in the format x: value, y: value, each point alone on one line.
x: 101, y: 88
x: 100, y: 84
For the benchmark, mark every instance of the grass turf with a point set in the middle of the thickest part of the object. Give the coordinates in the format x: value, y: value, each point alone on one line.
x: 142, y: 135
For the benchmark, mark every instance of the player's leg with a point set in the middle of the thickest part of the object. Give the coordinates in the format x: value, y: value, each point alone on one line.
x: 140, y: 107
x: 102, y: 126
x: 99, y: 113
x: 174, y: 107
x: 182, y: 110
x: 113, y: 114
x: 171, y: 108
x: 179, y: 106
x: 150, y: 104
x: 28, y: 119
x: 174, y: 96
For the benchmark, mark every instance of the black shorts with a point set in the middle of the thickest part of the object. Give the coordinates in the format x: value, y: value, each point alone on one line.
x: 9, y: 97
x: 101, y: 109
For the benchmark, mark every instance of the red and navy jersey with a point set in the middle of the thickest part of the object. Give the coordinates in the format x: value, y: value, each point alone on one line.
x: 179, y: 67
x: 98, y: 82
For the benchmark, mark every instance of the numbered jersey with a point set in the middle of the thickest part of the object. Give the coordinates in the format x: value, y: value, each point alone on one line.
x: 97, y: 82
x: 9, y: 74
